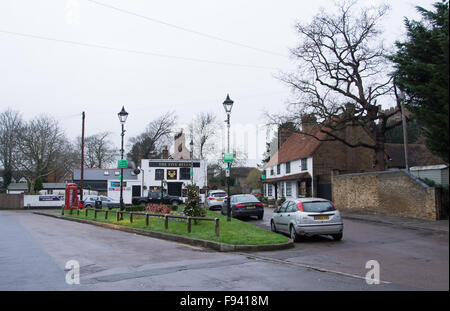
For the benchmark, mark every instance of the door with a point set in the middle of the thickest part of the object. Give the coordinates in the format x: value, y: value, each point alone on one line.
x: 136, y: 191
x: 174, y: 188
x: 324, y: 191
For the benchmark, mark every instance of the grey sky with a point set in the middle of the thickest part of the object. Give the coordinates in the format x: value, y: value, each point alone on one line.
x: 61, y: 79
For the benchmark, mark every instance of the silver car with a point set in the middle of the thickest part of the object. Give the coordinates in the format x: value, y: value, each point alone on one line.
x: 307, y: 217
x: 89, y: 201
x: 215, y: 199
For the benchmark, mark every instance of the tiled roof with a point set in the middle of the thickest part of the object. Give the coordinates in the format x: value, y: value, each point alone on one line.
x: 289, y: 177
x: 418, y: 155
x: 296, y: 147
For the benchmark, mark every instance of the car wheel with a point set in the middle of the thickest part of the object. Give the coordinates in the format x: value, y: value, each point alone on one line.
x: 272, y: 226
x: 87, y: 206
x: 294, y: 235
x: 337, y: 237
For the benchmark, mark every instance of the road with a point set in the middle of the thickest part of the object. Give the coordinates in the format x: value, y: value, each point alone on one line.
x: 34, y: 250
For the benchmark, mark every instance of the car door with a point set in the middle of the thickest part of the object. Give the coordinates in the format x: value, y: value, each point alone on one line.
x: 290, y: 213
x: 280, y: 219
x: 105, y: 201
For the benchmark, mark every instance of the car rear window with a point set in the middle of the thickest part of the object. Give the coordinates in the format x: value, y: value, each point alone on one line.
x: 320, y: 206
x: 219, y: 195
x: 245, y: 198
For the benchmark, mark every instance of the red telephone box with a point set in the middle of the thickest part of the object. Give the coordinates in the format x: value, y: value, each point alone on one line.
x: 71, y: 196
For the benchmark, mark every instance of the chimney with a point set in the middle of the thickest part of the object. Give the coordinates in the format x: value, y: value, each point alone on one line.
x: 165, y: 152
x: 350, y: 109
x: 309, y: 121
x: 285, y: 131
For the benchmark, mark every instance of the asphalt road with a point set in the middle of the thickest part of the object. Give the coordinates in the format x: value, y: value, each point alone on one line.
x: 34, y: 250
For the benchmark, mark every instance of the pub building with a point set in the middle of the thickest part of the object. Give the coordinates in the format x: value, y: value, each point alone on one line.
x: 173, y: 172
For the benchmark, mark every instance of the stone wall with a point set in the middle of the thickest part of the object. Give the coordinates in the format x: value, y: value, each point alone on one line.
x: 394, y: 193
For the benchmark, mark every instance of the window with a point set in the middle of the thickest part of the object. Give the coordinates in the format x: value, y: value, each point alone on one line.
x: 269, y: 190
x: 282, y: 189
x: 185, y: 173
x: 304, y: 164
x: 159, y: 174
x: 278, y: 169
x: 288, y: 167
x: 292, y: 207
x: 284, y: 206
x: 271, y: 171
x: 288, y: 189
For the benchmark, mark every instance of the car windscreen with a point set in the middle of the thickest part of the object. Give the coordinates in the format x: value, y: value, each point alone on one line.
x: 245, y: 198
x: 219, y: 195
x: 319, y: 206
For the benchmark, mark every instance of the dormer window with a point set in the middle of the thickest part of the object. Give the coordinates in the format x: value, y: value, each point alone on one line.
x: 106, y: 173
x: 117, y: 173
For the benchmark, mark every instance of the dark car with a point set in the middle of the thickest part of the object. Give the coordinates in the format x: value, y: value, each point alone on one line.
x: 244, y: 205
x: 157, y: 197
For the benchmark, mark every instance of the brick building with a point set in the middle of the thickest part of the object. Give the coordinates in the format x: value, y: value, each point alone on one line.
x: 303, y: 164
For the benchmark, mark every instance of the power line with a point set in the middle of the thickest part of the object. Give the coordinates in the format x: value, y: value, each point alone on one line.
x: 91, y: 45
x: 186, y: 29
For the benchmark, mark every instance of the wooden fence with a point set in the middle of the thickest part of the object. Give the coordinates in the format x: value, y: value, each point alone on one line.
x: 11, y: 200
x: 119, y: 215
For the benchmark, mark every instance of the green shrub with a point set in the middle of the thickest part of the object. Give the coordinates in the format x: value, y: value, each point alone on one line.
x: 135, y: 208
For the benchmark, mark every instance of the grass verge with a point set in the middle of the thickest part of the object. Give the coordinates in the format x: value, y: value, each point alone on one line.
x: 235, y: 232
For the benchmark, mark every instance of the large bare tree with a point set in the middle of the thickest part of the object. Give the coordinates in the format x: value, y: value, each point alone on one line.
x: 41, y: 146
x: 148, y: 145
x: 203, y: 130
x: 10, y: 125
x: 342, y: 73
x: 99, y: 151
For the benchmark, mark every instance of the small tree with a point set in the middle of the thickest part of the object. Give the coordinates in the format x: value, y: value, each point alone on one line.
x: 192, y: 206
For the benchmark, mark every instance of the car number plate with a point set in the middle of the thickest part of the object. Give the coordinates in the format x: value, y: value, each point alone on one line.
x: 219, y: 200
x: 251, y: 207
x: 321, y: 217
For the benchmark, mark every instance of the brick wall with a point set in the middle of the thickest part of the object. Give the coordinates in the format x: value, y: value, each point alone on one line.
x: 393, y: 193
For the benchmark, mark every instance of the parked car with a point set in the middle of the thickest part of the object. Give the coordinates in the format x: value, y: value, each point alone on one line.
x: 307, y: 217
x: 156, y: 196
x: 215, y: 199
x: 89, y: 201
x: 244, y: 205
x: 255, y: 192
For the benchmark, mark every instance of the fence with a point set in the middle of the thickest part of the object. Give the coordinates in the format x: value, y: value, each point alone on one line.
x: 11, y: 200
x: 119, y: 214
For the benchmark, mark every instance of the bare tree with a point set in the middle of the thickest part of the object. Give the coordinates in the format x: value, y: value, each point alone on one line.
x: 342, y: 72
x: 100, y: 152
x: 10, y: 125
x: 41, y: 146
x: 148, y: 145
x: 203, y: 130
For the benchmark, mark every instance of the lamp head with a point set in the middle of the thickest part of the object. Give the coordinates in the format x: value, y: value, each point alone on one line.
x: 228, y: 104
x: 123, y: 115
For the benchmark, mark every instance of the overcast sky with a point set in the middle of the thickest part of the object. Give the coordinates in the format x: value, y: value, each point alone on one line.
x: 179, y: 70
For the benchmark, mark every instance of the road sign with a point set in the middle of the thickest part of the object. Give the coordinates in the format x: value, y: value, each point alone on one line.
x: 263, y: 176
x: 227, y: 172
x: 191, y: 173
x: 228, y: 157
x: 122, y: 164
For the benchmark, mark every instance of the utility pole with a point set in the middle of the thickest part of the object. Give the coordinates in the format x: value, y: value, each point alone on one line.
x: 82, y: 157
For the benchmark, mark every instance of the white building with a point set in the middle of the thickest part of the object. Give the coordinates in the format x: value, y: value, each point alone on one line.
x: 173, y: 175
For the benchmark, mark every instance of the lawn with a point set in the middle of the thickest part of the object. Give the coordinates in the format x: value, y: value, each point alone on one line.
x: 235, y: 232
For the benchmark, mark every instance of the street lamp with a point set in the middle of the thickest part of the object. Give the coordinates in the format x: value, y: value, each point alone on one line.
x: 122, y: 118
x: 228, y: 105
x: 192, y: 161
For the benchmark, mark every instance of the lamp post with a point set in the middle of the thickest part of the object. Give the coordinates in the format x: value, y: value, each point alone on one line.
x: 228, y: 105
x: 192, y: 161
x: 401, y: 97
x: 122, y: 118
